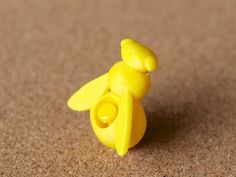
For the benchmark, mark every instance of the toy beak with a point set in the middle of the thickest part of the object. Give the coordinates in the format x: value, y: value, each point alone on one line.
x: 151, y: 64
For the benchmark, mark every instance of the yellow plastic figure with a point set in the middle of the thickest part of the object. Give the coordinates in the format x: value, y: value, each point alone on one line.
x: 117, y: 117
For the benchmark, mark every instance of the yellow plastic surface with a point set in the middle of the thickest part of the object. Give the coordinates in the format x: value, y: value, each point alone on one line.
x: 124, y: 124
x: 107, y: 112
x: 116, y: 115
x: 88, y: 94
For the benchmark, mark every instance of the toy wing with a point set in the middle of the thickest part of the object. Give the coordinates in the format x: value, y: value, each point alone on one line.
x: 83, y: 99
x: 124, y: 124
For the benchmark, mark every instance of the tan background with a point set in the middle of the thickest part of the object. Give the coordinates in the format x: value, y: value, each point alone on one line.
x: 48, y: 49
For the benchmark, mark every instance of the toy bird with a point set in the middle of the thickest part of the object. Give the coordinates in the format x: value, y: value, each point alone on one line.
x: 116, y: 114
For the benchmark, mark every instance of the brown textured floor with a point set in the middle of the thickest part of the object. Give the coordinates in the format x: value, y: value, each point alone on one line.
x: 48, y: 49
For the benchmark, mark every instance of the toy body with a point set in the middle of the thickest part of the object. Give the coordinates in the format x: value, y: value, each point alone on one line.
x: 117, y: 117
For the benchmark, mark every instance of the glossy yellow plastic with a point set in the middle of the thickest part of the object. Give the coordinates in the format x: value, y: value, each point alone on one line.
x: 117, y: 117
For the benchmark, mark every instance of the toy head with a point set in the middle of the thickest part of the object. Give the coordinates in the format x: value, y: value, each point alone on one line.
x: 138, y: 56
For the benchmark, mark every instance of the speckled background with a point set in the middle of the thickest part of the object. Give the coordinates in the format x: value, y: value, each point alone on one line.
x: 48, y: 49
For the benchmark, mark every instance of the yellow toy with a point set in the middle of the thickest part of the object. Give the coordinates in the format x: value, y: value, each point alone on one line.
x: 117, y: 117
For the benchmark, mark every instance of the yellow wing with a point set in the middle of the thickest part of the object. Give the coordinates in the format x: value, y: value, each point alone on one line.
x: 124, y: 124
x: 83, y: 99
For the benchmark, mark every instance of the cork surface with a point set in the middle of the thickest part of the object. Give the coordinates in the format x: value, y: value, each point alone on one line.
x: 48, y: 49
